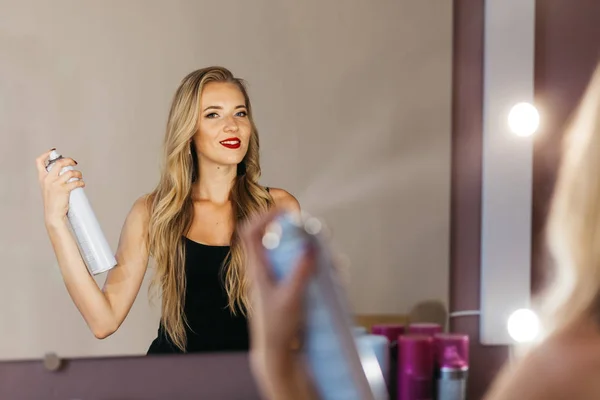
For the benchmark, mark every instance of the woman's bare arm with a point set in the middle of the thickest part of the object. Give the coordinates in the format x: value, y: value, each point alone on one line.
x: 105, y: 310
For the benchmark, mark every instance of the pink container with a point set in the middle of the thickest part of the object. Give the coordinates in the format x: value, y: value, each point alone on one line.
x: 452, y: 350
x: 452, y: 366
x: 424, y: 329
x: 415, y: 367
x: 391, y: 331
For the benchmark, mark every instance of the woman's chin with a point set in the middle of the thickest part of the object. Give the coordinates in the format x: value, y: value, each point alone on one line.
x: 225, y: 160
x: 230, y: 162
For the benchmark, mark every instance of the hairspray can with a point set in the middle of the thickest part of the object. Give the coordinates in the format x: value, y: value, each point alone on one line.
x: 381, y: 347
x: 452, y: 367
x: 391, y: 332
x: 342, y: 364
x: 92, y: 243
x: 427, y: 329
x: 415, y: 367
x: 379, y: 344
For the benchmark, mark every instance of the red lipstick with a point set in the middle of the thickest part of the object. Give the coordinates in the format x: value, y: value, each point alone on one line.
x: 231, y: 143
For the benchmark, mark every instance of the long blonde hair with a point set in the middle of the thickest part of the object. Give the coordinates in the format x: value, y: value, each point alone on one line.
x: 573, y: 229
x: 172, y: 207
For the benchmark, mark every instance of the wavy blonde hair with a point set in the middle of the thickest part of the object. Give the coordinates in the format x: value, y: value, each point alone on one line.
x: 172, y: 207
x: 573, y: 226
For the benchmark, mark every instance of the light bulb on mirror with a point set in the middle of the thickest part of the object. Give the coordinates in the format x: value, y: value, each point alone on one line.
x: 523, y: 119
x: 523, y: 326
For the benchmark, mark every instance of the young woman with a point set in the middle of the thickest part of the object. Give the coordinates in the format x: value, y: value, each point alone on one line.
x: 564, y: 365
x: 188, y: 224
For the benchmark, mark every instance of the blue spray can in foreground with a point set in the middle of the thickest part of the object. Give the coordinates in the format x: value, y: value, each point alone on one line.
x: 341, y: 366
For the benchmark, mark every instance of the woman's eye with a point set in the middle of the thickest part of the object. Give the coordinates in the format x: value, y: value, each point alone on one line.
x: 242, y: 114
x: 212, y: 115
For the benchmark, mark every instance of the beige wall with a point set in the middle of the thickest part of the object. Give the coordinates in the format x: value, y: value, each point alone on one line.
x: 352, y: 103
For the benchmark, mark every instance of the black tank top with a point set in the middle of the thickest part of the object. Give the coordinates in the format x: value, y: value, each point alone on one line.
x: 212, y: 326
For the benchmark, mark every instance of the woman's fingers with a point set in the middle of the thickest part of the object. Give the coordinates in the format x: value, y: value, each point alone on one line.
x: 40, y: 164
x: 68, y: 176
x: 58, y: 166
x: 74, y: 185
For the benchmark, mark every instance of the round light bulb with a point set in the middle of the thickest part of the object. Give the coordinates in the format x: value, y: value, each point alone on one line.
x: 523, y: 325
x: 523, y: 119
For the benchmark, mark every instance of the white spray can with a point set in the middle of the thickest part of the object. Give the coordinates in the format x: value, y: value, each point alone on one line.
x: 92, y: 243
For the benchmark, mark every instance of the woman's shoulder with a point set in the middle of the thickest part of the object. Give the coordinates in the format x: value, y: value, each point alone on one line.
x: 142, y: 206
x: 284, y: 199
x: 563, y: 366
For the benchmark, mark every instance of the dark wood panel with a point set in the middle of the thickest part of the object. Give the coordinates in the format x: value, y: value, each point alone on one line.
x: 467, y: 136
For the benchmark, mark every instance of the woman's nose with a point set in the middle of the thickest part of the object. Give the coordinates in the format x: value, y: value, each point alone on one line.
x: 231, y: 124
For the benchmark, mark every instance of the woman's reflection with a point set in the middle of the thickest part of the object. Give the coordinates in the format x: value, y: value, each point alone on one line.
x: 187, y: 224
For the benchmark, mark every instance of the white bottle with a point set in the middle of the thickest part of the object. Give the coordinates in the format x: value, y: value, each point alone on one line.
x: 381, y: 347
x: 93, y: 246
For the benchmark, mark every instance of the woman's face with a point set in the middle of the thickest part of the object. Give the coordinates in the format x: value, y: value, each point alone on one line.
x: 224, y: 128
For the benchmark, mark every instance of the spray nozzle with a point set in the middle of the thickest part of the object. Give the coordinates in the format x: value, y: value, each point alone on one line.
x: 54, y: 156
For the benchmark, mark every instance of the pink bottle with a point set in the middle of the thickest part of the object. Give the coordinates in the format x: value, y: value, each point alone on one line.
x: 424, y: 328
x: 391, y: 332
x: 452, y: 366
x: 415, y: 367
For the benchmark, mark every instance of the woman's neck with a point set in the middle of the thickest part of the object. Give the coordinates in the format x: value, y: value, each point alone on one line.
x: 214, y: 183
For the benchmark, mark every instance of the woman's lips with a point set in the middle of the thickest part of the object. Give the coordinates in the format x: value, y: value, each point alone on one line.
x: 231, y: 143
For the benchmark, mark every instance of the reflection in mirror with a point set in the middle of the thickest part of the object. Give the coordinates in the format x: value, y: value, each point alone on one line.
x: 162, y: 127
x: 208, y: 185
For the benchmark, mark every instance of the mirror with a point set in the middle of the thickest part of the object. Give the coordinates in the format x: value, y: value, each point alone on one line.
x: 352, y: 106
